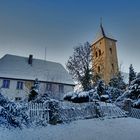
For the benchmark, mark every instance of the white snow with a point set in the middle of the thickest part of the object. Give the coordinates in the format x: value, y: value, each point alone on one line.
x: 104, y: 96
x: 17, y: 67
x: 137, y: 103
x: 94, y: 129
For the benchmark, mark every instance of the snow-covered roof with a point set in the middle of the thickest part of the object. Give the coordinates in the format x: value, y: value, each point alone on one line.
x: 17, y: 67
x: 101, y: 33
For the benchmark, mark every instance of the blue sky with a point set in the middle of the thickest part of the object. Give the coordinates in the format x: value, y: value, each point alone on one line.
x: 30, y: 26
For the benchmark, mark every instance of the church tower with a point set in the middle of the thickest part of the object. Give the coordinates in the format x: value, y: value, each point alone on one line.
x: 104, y: 61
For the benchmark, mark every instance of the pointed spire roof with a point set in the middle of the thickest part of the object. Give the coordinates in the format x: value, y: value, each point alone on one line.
x: 101, y: 34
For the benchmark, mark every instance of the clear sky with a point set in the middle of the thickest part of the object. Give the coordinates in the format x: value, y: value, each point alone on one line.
x: 30, y: 26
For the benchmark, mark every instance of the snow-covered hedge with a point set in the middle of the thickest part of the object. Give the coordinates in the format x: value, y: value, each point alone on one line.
x: 109, y: 94
x: 83, y: 96
x: 113, y: 93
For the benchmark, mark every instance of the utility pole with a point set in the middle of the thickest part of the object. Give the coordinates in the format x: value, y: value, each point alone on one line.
x: 45, y: 53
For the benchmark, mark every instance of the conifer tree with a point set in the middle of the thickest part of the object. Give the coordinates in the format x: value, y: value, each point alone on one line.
x: 34, y: 90
x: 132, y: 74
x: 100, y: 87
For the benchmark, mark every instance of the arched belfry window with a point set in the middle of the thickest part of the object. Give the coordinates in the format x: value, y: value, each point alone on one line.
x: 99, y: 69
x: 99, y: 52
x: 96, y: 54
x: 110, y: 50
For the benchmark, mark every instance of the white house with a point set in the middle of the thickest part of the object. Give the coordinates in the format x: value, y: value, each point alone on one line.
x: 17, y: 75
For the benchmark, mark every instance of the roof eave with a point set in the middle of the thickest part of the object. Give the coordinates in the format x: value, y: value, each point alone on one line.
x: 102, y: 38
x: 72, y: 84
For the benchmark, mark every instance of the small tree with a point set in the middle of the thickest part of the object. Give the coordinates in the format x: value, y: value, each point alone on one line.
x: 34, y: 90
x: 132, y: 74
x: 100, y: 87
x: 79, y: 65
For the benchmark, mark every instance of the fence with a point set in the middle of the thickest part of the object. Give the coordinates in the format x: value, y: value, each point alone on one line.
x: 68, y: 111
x: 135, y: 113
x: 90, y: 110
x: 131, y: 112
x: 38, y: 111
x: 111, y: 110
x: 73, y: 111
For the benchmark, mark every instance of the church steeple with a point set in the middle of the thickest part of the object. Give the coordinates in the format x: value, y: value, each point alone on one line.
x: 102, y: 34
x: 104, y: 52
x: 102, y: 30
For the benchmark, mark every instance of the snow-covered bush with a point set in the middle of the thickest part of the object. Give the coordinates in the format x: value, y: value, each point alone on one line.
x: 104, y: 97
x: 80, y: 97
x: 68, y: 96
x: 93, y: 95
x: 133, y: 92
x: 54, y: 117
x: 136, y: 104
x: 113, y: 93
x: 12, y: 114
x: 77, y: 97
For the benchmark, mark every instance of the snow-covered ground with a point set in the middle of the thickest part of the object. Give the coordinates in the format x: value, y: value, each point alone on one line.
x: 93, y: 129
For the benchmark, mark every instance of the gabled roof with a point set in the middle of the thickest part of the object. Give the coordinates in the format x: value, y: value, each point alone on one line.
x: 17, y: 67
x: 101, y: 34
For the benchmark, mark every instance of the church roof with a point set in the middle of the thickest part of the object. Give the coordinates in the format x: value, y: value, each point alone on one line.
x: 101, y: 34
x: 18, y: 67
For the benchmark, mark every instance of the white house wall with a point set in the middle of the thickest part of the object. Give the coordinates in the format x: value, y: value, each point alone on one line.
x: 12, y: 92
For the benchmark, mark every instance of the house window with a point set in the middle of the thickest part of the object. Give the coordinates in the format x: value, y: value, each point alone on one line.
x: 19, y: 85
x: 99, y: 52
x: 6, y: 83
x: 49, y: 87
x: 61, y: 88
x: 99, y: 69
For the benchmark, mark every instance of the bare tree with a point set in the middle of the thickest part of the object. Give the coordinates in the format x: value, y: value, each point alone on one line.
x: 79, y: 65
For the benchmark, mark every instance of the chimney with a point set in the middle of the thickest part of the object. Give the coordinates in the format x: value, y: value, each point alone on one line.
x: 30, y: 59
